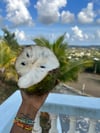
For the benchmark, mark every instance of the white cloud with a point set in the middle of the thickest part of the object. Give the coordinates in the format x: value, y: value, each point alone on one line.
x: 17, y: 12
x: 87, y: 14
x: 48, y: 10
x: 78, y: 33
x: 67, y: 17
x: 20, y: 35
x: 67, y: 36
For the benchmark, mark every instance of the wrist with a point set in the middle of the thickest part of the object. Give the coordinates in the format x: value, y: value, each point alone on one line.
x: 28, y: 106
x: 27, y: 109
x: 24, y: 120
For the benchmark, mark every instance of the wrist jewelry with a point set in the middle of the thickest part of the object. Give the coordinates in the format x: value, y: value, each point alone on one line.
x: 24, y: 122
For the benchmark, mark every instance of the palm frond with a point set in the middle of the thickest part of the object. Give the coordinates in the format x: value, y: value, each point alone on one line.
x: 11, y: 40
x: 59, y: 41
x: 60, y: 46
x: 42, y: 42
x: 5, y: 54
x: 71, y: 70
x: 68, y: 70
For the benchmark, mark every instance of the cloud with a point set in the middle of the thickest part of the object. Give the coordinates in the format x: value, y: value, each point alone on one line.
x: 67, y: 17
x: 78, y: 33
x: 20, y: 35
x: 87, y: 14
x: 67, y: 36
x: 17, y: 12
x: 48, y: 10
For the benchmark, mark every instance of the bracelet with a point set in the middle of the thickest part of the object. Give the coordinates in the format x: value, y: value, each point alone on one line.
x: 25, y: 120
x: 24, y: 126
x: 24, y: 123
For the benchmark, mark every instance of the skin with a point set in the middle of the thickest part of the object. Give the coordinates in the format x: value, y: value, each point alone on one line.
x: 29, y: 106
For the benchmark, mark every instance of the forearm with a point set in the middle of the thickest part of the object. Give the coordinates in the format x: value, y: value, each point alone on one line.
x: 25, y: 110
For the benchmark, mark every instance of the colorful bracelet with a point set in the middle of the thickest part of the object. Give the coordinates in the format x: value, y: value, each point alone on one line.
x: 24, y: 123
x: 25, y: 120
x: 24, y: 126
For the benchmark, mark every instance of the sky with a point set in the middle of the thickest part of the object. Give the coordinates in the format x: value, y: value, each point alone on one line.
x: 28, y: 19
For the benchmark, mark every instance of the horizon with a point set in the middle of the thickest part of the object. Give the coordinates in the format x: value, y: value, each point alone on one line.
x: 28, y: 19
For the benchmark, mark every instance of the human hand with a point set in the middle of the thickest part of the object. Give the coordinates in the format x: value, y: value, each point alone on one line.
x: 35, y: 100
x: 29, y: 108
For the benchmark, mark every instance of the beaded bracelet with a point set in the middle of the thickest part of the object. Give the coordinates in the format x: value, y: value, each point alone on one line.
x: 24, y: 123
x: 24, y: 126
x: 25, y: 120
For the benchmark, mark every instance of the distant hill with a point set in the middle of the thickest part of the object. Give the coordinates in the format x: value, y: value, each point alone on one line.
x: 84, y: 46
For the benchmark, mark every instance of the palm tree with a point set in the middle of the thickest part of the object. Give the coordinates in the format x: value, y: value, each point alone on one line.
x: 7, y: 59
x: 68, y: 68
x: 10, y: 39
x: 9, y: 49
x: 67, y: 71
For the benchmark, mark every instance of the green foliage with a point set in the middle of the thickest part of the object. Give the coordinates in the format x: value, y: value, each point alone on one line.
x: 7, y: 59
x: 42, y: 42
x: 6, y: 55
x: 10, y: 39
x: 96, y: 67
x: 68, y: 70
x: 9, y: 49
x: 58, y: 47
x: 71, y: 70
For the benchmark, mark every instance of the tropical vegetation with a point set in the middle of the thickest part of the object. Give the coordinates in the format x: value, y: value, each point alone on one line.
x: 68, y: 70
x: 9, y: 49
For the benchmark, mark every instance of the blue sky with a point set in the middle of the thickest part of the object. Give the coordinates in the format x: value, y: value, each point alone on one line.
x: 80, y: 19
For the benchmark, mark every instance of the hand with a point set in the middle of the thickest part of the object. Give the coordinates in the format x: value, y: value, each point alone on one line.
x: 35, y: 100
x: 30, y: 105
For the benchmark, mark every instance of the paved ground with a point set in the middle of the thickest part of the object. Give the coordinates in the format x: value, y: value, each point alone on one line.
x: 89, y: 83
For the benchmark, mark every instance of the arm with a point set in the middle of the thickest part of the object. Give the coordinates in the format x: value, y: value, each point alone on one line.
x: 29, y: 107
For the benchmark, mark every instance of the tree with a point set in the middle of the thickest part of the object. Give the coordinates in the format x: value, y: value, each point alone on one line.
x: 68, y: 68
x: 31, y: 56
x: 10, y: 39
x: 7, y: 59
x: 9, y: 49
x: 67, y: 71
